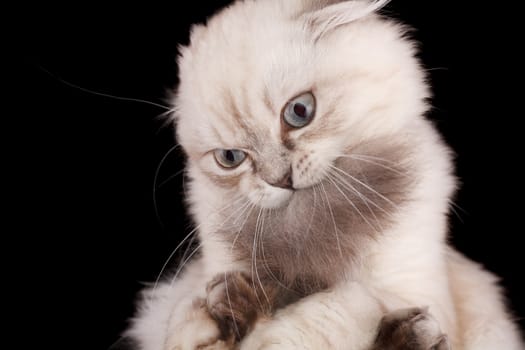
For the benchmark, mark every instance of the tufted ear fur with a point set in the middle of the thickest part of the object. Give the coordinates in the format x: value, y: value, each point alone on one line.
x: 323, y: 16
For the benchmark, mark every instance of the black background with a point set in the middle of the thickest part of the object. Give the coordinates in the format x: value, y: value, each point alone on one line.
x: 85, y: 164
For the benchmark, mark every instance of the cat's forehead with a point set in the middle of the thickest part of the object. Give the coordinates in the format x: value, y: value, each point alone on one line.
x: 239, y: 71
x: 245, y: 45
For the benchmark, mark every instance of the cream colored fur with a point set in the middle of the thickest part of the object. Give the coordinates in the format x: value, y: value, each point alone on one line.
x: 262, y: 46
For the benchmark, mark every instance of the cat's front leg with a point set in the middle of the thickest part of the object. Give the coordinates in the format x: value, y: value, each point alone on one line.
x: 237, y: 303
x: 173, y: 315
x: 343, y: 318
x: 218, y: 321
x: 189, y: 323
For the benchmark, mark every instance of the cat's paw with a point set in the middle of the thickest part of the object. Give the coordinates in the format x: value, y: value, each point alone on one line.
x: 410, y: 329
x: 233, y: 303
x: 197, y: 331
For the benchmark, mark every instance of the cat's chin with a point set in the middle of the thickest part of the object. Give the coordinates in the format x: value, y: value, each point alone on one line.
x: 272, y: 198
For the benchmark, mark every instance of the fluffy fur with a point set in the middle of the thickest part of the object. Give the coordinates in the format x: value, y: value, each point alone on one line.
x: 363, y: 232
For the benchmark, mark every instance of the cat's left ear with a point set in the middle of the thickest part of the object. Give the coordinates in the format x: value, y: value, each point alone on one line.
x: 324, y: 16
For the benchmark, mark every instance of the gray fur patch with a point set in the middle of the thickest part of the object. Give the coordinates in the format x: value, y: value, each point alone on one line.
x: 312, y: 242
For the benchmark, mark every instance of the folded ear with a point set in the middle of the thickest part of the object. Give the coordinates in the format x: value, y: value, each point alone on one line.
x: 323, y: 16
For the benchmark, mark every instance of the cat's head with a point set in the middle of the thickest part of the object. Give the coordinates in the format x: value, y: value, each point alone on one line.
x: 273, y: 93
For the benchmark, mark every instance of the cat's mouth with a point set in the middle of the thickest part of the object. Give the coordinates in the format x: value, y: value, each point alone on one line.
x: 289, y: 195
x: 272, y: 197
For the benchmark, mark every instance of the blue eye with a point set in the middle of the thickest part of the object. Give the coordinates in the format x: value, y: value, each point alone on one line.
x: 300, y: 111
x: 229, y: 158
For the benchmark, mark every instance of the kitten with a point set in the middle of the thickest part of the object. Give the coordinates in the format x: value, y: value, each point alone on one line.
x: 320, y: 192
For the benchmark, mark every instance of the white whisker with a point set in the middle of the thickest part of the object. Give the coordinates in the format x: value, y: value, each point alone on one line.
x: 188, y: 247
x: 157, y: 280
x: 259, y: 230
x: 180, y: 268
x: 102, y: 94
x: 254, y: 258
x: 246, y: 207
x: 374, y: 162
x: 361, y: 196
x: 453, y: 207
x: 249, y: 207
x: 312, y: 216
x: 333, y: 220
x: 267, y: 268
x: 365, y: 185
x: 261, y: 242
x: 171, y: 177
x: 200, y: 245
x: 378, y: 159
x: 192, y: 233
x: 350, y: 202
x: 155, y: 179
x: 230, y: 304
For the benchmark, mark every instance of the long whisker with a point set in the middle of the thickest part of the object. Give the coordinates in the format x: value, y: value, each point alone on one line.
x: 192, y: 233
x: 200, y: 245
x: 259, y: 231
x: 312, y: 216
x: 363, y: 198
x: 254, y: 257
x: 350, y: 202
x: 233, y: 213
x: 247, y: 207
x: 188, y: 247
x: 365, y: 185
x: 269, y: 271
x: 181, y: 266
x: 378, y: 159
x: 333, y: 219
x: 155, y: 179
x: 374, y: 162
x: 231, y: 307
x: 157, y: 280
x: 97, y: 93
x: 453, y: 207
x: 171, y: 177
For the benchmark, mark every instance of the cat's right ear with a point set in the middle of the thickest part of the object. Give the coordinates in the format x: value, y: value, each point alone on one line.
x: 324, y: 16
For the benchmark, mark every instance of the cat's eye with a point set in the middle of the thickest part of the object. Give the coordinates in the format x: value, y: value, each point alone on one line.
x: 229, y: 158
x: 300, y: 111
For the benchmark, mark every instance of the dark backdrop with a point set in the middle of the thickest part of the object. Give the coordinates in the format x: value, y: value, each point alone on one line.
x: 86, y: 163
